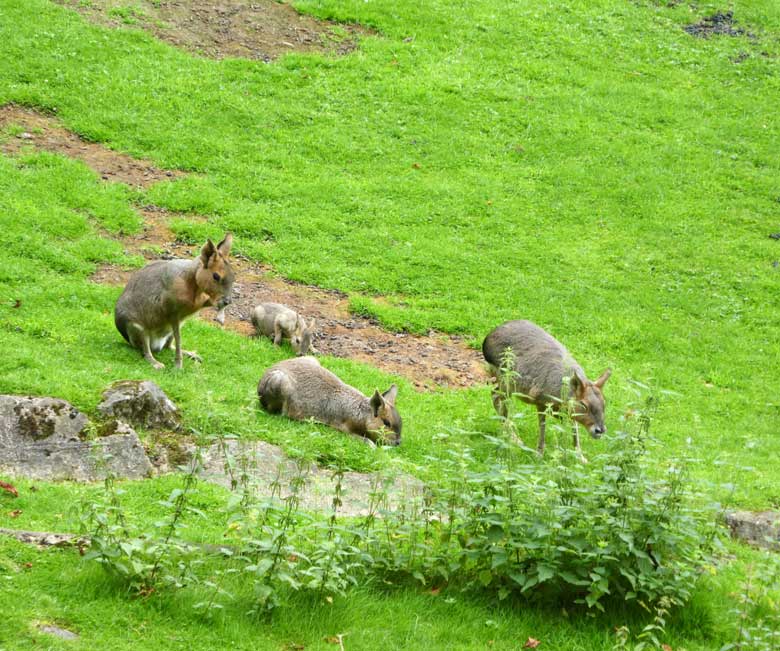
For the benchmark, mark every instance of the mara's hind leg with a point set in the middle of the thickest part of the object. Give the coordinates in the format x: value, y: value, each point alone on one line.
x: 274, y: 391
x: 273, y: 403
x: 139, y: 338
x: 500, y: 404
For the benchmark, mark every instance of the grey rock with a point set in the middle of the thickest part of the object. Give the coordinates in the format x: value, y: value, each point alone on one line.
x: 42, y: 438
x: 140, y: 403
x: 169, y: 456
x: 761, y: 529
x: 61, y: 633
x: 37, y: 419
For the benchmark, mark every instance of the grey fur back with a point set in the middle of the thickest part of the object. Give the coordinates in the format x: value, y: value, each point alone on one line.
x: 541, y: 361
x: 313, y: 391
x: 265, y: 318
x: 146, y: 299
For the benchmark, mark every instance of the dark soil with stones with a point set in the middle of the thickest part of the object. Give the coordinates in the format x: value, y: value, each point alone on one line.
x: 219, y: 29
x: 718, y: 23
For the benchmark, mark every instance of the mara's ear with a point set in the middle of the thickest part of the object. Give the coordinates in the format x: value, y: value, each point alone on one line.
x: 578, y: 382
x: 391, y: 394
x: 312, y: 325
x: 206, y: 252
x: 376, y: 403
x: 603, y: 378
x: 225, y: 244
x: 300, y: 324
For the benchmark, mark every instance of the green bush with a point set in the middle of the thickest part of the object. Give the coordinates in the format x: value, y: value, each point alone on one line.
x: 560, y: 529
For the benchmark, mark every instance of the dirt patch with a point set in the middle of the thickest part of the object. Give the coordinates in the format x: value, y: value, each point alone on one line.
x: 219, y: 29
x: 431, y: 361
x: 35, y: 131
x: 428, y: 361
x: 718, y: 23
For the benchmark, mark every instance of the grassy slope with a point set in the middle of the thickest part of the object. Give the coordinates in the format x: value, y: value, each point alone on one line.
x: 591, y: 167
x: 588, y: 165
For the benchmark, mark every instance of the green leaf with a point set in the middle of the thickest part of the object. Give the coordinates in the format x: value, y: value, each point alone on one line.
x: 495, y: 533
x: 485, y: 577
x: 545, y: 572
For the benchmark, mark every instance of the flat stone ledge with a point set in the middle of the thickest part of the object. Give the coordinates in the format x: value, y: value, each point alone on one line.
x: 266, y: 464
x: 761, y: 529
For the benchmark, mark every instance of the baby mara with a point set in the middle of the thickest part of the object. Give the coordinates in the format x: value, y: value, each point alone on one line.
x: 280, y: 322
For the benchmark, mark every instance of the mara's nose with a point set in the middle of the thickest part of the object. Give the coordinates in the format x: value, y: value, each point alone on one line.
x: 598, y: 430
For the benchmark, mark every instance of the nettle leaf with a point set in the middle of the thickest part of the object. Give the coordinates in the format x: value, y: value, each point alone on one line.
x: 495, y: 533
x: 485, y: 577
x: 263, y: 566
x: 572, y: 578
x: 499, y: 559
x: 545, y: 572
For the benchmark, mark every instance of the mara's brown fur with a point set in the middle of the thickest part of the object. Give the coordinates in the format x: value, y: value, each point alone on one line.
x: 545, y: 375
x: 160, y: 296
x: 301, y: 389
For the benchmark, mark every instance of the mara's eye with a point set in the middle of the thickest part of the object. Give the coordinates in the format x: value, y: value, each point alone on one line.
x: 386, y: 423
x: 217, y: 277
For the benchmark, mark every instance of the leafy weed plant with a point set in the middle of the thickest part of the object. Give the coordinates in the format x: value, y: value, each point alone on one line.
x: 552, y: 530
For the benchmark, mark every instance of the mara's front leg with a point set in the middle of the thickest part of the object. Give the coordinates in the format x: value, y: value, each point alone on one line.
x: 278, y: 333
x: 175, y: 343
x: 577, y: 448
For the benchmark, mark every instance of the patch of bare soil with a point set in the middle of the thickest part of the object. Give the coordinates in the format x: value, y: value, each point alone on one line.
x: 717, y: 23
x: 219, y: 29
x: 431, y: 361
x: 43, y: 132
x: 428, y: 361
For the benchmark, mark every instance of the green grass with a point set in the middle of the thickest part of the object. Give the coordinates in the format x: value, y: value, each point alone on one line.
x: 62, y: 591
x: 59, y: 589
x: 587, y: 165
